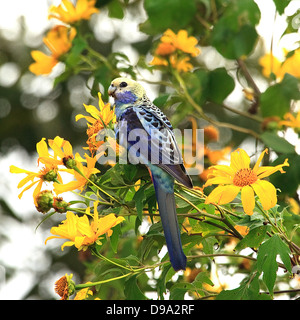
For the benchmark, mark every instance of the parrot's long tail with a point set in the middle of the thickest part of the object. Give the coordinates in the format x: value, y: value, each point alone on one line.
x: 164, y: 190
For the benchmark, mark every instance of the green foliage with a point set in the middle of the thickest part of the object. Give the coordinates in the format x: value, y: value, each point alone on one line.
x: 289, y: 182
x: 281, y: 5
x: 248, y: 290
x: 212, y: 86
x: 173, y: 14
x: 266, y: 260
x: 277, y: 143
x: 276, y: 100
x: 234, y: 35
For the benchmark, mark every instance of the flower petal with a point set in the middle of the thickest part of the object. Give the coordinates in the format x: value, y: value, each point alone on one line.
x: 255, y: 168
x: 42, y: 148
x: 107, y: 222
x: 44, y: 64
x: 266, y: 171
x: 79, y: 241
x: 223, y: 194
x: 88, y: 118
x: 239, y: 160
x: 72, y: 185
x: 92, y: 110
x: 266, y: 193
x: 67, y: 244
x: 218, y: 180
x: 27, y: 188
x: 14, y: 169
x: 248, y: 200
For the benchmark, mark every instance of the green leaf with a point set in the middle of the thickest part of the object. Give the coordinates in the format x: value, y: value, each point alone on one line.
x: 253, y: 221
x: 161, y: 281
x: 161, y: 100
x: 132, y: 291
x: 78, y: 45
x: 114, y: 238
x: 178, y: 290
x: 248, y: 290
x: 235, y: 35
x: 266, y: 259
x: 220, y: 85
x: 115, y: 9
x: 276, y: 100
x: 202, y: 277
x: 129, y: 172
x: 289, y: 181
x: 139, y: 198
x: 173, y: 14
x: 281, y: 5
x: 212, y: 86
x: 278, y: 144
x: 233, y: 44
x: 253, y: 239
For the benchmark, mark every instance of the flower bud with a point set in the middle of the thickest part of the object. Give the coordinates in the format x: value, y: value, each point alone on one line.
x: 65, y: 287
x: 44, y: 201
x: 51, y: 175
x: 70, y: 162
x: 60, y: 205
x: 249, y: 94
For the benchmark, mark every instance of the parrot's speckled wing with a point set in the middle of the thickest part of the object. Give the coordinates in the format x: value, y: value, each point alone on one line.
x: 159, y: 146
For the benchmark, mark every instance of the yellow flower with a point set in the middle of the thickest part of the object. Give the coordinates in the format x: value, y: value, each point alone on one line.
x: 59, y: 41
x: 63, y: 155
x: 240, y: 177
x: 293, y: 205
x: 156, y: 61
x: 65, y: 286
x: 181, y: 41
x: 291, y: 121
x: 49, y: 172
x: 81, y: 174
x: 63, y: 152
x: 68, y: 13
x: 99, y: 119
x: 83, y: 293
x: 270, y: 65
x: 181, y: 64
x: 36, y: 178
x: 81, y: 232
x: 172, y: 50
x: 164, y: 49
x: 43, y: 64
x: 290, y: 65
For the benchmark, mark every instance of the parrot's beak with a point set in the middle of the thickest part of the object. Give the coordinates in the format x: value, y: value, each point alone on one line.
x: 111, y: 90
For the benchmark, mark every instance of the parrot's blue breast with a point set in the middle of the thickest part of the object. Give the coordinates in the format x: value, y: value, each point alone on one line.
x: 125, y: 98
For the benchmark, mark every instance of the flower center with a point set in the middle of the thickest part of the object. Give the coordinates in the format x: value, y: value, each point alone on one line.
x: 95, y: 128
x: 62, y: 287
x: 49, y: 174
x: 244, y: 177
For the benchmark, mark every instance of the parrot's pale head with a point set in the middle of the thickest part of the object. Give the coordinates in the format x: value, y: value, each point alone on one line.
x: 126, y: 91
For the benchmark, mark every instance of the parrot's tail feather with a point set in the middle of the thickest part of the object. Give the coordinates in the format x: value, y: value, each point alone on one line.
x: 167, y: 210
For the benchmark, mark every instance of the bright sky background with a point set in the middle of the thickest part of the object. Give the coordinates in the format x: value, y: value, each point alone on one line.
x: 25, y: 247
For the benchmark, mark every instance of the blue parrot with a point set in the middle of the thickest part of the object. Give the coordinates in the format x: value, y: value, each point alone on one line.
x: 156, y: 147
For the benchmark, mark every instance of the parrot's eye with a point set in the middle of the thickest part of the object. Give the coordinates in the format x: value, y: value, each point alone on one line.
x: 123, y: 84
